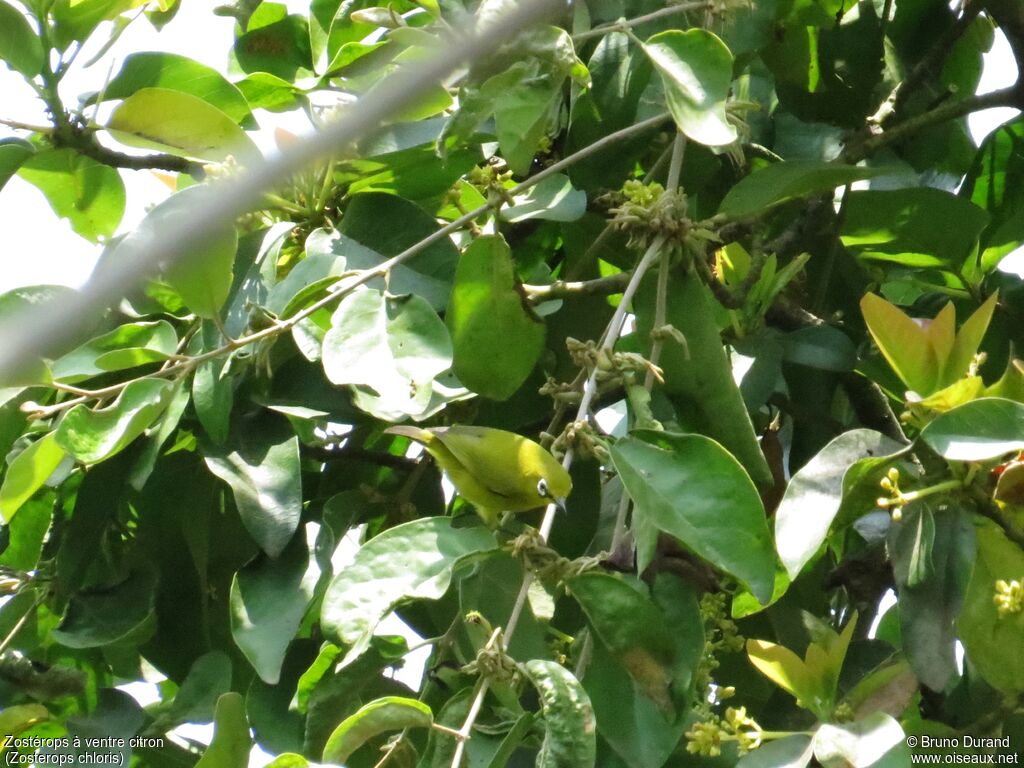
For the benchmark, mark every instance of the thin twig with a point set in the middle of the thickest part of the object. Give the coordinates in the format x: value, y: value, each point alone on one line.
x: 858, y: 150
x: 20, y: 126
x: 347, y: 284
x: 611, y: 334
x: 928, y: 64
x: 624, y: 24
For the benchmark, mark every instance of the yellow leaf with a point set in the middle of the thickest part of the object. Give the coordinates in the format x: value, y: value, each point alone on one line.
x: 968, y: 340
x: 903, y: 342
x: 782, y: 667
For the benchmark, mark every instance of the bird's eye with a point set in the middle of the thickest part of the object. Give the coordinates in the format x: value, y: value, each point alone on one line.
x: 542, y: 489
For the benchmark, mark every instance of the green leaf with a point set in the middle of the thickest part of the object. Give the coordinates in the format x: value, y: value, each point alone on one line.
x: 370, y: 219
x: 261, y: 464
x: 554, y: 199
x: 269, y: 597
x: 171, y: 71
x: 620, y: 72
x: 104, y: 615
x: 977, y: 431
x: 27, y: 472
x: 127, y: 346
x: 14, y: 720
x: 203, y: 276
x: 263, y: 90
x: 13, y: 152
x: 92, y: 436
x: 916, y: 227
x: 698, y: 375
x: 690, y: 487
x: 791, y: 752
x: 213, y: 395
x: 638, y: 731
x: 231, y: 741
x: 289, y: 760
x: 394, y: 345
x: 632, y: 628
x: 995, y: 183
x: 814, y: 495
x: 20, y: 47
x: 521, y: 115
x: 696, y: 69
x: 391, y: 713
x: 367, y: 590
x: 208, y: 679
x: 782, y: 182
x: 27, y: 533
x: 77, y: 19
x: 178, y: 123
x: 994, y: 643
x: 496, y: 337
x: 930, y: 602
x: 871, y: 741
x: 278, y: 45
x: 87, y: 193
x: 570, y: 735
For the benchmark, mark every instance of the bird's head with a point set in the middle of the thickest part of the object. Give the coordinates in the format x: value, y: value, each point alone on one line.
x: 554, y: 486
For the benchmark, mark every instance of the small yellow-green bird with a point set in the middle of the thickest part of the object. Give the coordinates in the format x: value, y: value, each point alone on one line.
x: 496, y: 471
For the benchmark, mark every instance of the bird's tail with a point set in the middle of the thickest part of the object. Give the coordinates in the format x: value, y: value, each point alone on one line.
x: 413, y: 433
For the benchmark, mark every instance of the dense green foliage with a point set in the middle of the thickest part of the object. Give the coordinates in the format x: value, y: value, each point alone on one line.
x: 202, y: 492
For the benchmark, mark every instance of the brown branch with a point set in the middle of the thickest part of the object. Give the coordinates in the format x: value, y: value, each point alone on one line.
x: 563, y: 289
x: 930, y: 63
x: 159, y: 161
x: 85, y: 143
x: 862, y: 147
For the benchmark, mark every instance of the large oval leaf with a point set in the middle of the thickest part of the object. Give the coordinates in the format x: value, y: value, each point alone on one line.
x: 570, y: 733
x: 231, y: 741
x: 815, y: 494
x: 994, y: 643
x: 497, y: 338
x: 20, y: 47
x: 976, y: 431
x: 156, y: 69
x: 918, y: 227
x: 127, y: 346
x: 690, y: 487
x: 696, y: 68
x: 27, y: 472
x: 395, y: 345
x: 93, y: 436
x: 780, y: 182
x: 268, y: 600
x: 632, y: 628
x: 87, y: 193
x: 391, y: 713
x: 178, y: 123
x: 102, y: 616
x: 410, y: 561
x: 261, y: 464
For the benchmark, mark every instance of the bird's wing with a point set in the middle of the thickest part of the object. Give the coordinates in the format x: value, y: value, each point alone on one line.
x: 502, y: 477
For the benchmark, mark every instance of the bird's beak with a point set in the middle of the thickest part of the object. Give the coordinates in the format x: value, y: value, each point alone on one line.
x: 560, y: 503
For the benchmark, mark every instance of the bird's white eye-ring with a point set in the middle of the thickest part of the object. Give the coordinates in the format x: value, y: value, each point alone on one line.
x: 542, y: 489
